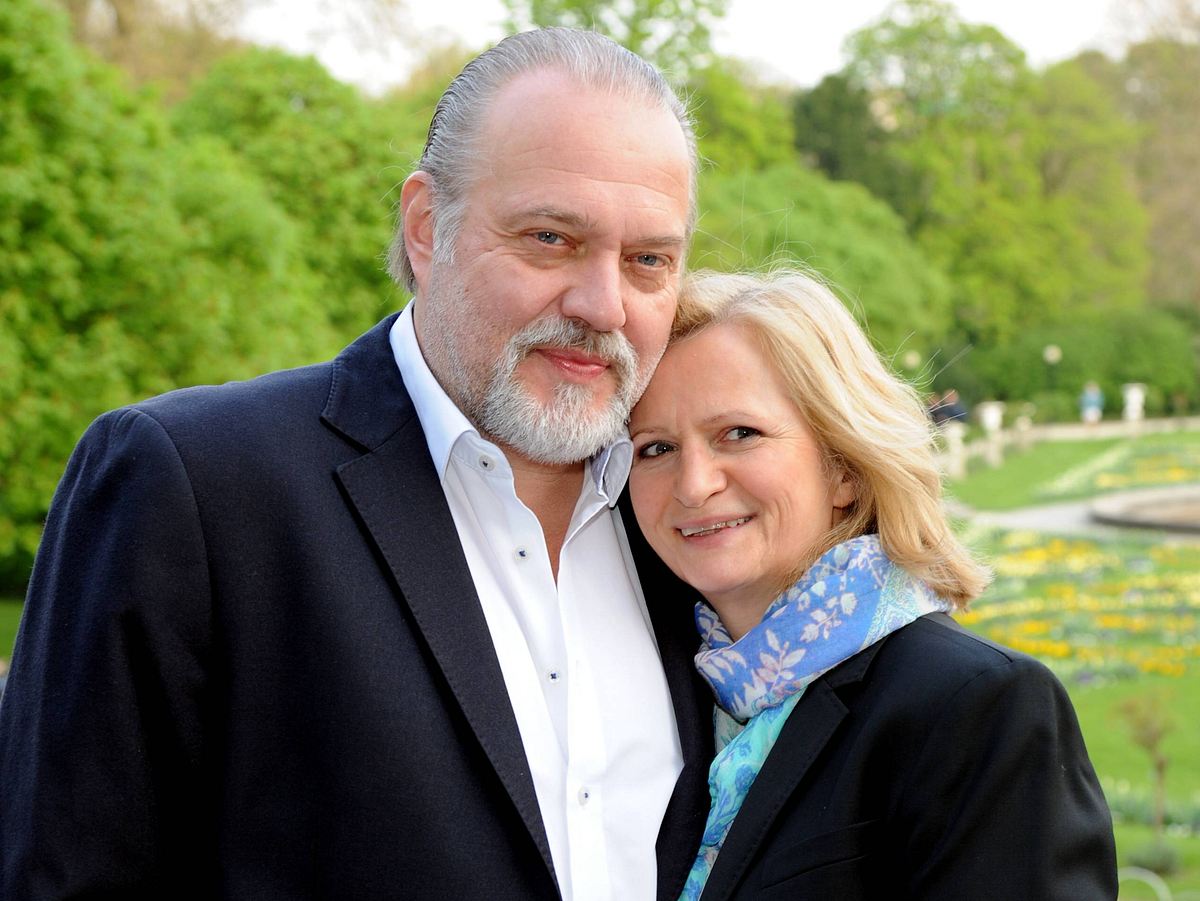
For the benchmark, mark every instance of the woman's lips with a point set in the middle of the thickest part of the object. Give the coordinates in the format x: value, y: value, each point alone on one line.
x: 712, y: 527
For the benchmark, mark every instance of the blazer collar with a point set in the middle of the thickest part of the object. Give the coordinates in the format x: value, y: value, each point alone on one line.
x: 808, y: 729
x: 397, y: 495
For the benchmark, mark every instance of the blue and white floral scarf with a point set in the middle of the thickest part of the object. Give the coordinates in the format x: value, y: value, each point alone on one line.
x: 850, y: 598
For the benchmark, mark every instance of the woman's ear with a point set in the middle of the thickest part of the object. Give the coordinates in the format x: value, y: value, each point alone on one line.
x: 416, y: 206
x: 845, y: 490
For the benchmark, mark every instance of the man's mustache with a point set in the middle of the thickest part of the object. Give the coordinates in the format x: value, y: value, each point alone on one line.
x: 613, y: 347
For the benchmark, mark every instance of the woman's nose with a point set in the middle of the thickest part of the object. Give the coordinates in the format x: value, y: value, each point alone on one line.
x: 699, y: 477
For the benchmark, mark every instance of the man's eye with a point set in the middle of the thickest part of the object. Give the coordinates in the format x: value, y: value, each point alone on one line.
x: 551, y: 238
x: 654, y: 449
x: 650, y: 260
x: 740, y: 433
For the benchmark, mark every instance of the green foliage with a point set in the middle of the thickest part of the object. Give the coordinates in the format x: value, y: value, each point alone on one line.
x: 927, y: 64
x: 1186, y: 879
x: 676, y: 35
x: 10, y: 618
x: 1018, y: 187
x: 325, y: 157
x: 130, y: 262
x: 1157, y: 86
x: 89, y: 309
x: 1148, y: 346
x: 1084, y: 151
x: 837, y: 131
x: 740, y: 127
x: 1157, y: 857
x: 790, y: 215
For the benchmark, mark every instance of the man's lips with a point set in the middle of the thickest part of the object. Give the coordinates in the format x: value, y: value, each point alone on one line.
x: 712, y: 526
x: 575, y: 362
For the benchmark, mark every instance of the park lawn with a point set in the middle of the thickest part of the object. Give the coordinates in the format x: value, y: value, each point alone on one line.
x: 10, y: 615
x: 1042, y: 475
x: 1015, y: 483
x: 1131, y: 836
x: 1116, y: 757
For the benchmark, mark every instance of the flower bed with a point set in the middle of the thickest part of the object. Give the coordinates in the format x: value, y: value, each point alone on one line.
x: 1093, y: 610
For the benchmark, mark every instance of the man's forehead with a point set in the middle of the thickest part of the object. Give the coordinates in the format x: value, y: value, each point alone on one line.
x: 558, y: 106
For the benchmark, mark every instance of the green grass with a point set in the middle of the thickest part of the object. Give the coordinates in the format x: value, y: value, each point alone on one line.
x: 1015, y: 483
x: 10, y: 615
x: 1116, y: 757
x: 1035, y: 476
x: 1185, y: 879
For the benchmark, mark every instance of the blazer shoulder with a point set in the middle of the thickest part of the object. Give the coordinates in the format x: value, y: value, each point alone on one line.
x: 214, y: 409
x: 935, y: 650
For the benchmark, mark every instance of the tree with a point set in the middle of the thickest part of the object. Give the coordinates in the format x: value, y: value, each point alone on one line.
x: 741, y: 126
x: 674, y: 34
x: 1157, y: 86
x: 157, y: 41
x: 1085, y: 153
x: 130, y: 263
x: 840, y: 132
x: 971, y: 127
x: 1149, y: 723
x: 925, y: 63
x: 172, y: 42
x: 788, y: 215
x: 326, y: 157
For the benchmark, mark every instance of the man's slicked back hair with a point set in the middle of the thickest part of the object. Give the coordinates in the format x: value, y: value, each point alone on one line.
x: 453, y: 149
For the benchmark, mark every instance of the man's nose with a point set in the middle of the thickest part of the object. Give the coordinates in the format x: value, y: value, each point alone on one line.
x: 699, y: 476
x: 596, y: 298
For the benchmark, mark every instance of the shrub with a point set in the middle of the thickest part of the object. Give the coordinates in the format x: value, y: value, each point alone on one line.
x: 1156, y: 856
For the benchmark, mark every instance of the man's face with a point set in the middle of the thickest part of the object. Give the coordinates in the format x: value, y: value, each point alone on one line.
x: 548, y: 324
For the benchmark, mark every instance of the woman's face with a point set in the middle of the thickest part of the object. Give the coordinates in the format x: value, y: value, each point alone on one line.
x: 728, y: 483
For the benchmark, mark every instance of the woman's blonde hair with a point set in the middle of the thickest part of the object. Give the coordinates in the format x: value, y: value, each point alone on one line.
x: 871, y: 425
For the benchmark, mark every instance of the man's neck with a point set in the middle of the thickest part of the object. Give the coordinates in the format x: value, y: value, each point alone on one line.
x: 551, y: 491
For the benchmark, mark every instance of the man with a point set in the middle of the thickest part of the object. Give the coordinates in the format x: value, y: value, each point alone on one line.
x: 372, y: 629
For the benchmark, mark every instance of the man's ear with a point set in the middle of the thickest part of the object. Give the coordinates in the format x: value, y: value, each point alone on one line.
x: 416, y: 205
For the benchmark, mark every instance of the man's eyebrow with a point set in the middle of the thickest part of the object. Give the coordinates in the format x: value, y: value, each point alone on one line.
x: 556, y: 214
x: 575, y: 220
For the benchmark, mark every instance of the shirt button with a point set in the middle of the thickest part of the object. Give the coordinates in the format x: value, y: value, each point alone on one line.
x: 522, y: 554
x: 584, y: 795
x: 553, y: 675
x: 487, y: 463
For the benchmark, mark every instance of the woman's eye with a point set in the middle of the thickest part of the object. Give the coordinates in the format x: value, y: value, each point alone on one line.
x: 654, y: 449
x: 740, y: 433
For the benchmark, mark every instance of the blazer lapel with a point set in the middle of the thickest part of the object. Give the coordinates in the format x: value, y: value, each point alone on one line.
x: 808, y: 729
x: 398, y: 497
x: 670, y: 603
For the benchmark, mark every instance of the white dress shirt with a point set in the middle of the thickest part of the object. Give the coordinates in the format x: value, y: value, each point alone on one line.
x: 579, y: 658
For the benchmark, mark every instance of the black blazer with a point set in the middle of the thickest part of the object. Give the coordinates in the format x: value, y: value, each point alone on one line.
x: 933, y: 766
x: 253, y: 665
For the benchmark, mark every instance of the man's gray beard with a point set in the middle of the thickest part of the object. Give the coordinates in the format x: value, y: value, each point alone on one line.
x: 567, y: 429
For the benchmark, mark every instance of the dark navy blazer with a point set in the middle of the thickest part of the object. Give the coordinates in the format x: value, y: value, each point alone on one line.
x: 933, y: 766
x: 253, y: 665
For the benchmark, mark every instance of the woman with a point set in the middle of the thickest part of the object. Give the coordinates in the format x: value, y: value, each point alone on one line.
x: 868, y: 747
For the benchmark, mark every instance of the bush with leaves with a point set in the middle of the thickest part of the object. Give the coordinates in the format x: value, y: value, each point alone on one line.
x: 130, y: 263
x: 789, y: 215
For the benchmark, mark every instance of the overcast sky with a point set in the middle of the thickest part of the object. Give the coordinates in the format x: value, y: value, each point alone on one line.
x: 794, y: 41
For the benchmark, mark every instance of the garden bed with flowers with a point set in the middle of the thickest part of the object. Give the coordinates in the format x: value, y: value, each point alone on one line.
x: 1119, y: 622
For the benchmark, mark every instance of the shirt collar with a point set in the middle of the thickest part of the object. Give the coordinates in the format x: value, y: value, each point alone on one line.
x: 444, y: 424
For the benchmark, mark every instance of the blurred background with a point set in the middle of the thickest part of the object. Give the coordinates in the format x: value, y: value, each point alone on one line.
x: 1007, y: 194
